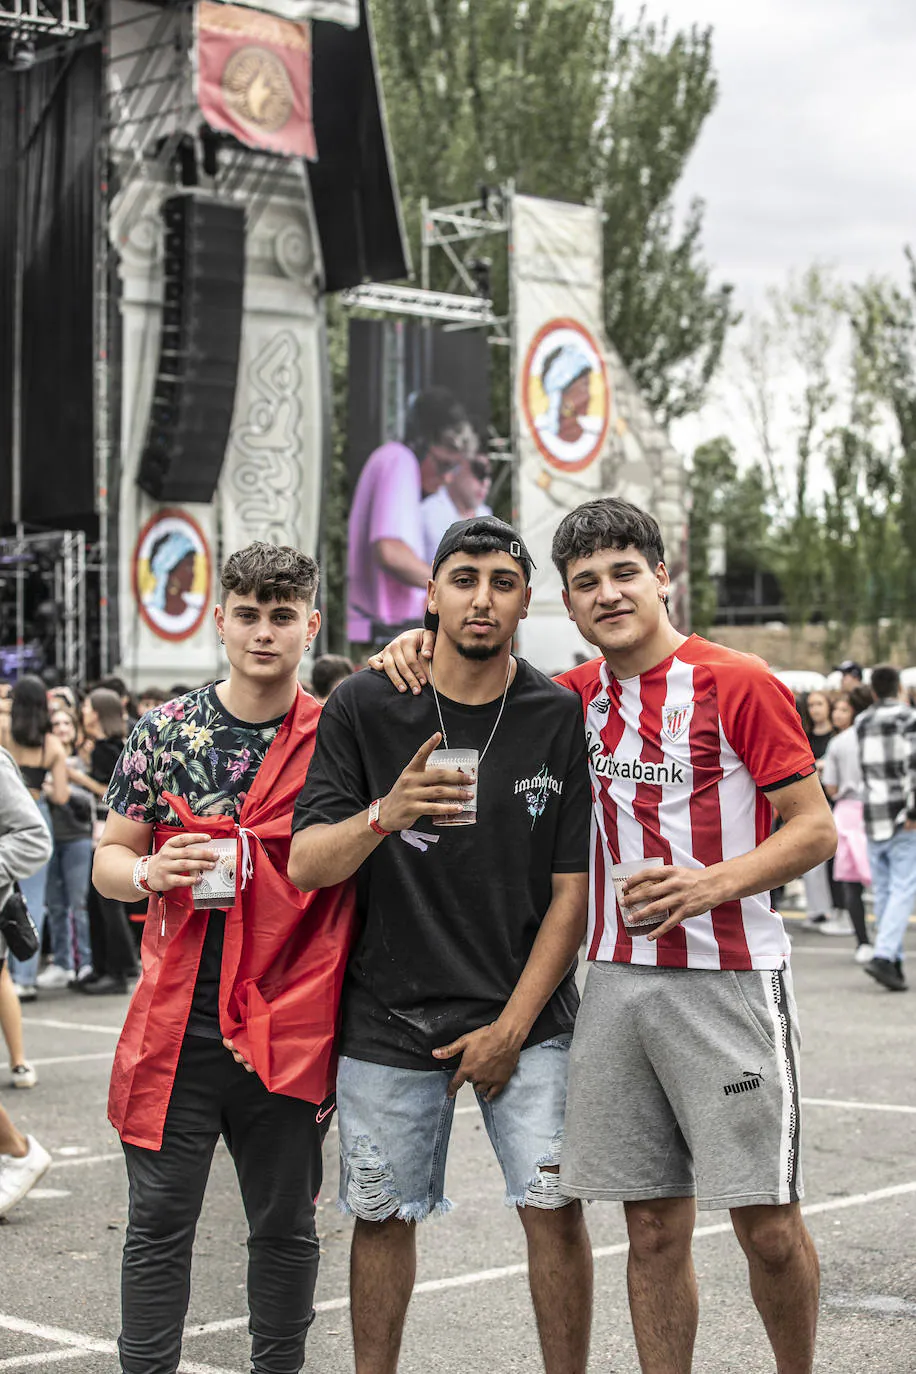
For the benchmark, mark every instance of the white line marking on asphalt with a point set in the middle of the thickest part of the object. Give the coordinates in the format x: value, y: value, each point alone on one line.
x: 67, y: 1150
x: 44, y: 1193
x: 885, y: 1303
x: 509, y: 1271
x: 79, y: 1345
x: 69, y: 1025
x: 857, y: 1106
x: 71, y: 1059
x: 87, y: 1159
x: 40, y: 1357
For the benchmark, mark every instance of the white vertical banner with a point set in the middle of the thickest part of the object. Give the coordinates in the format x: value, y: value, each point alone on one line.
x: 582, y: 429
x: 562, y: 397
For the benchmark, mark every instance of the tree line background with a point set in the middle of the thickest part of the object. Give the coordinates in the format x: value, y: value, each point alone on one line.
x: 816, y: 514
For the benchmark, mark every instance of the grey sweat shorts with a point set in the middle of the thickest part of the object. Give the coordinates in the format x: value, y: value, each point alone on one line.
x: 684, y: 1082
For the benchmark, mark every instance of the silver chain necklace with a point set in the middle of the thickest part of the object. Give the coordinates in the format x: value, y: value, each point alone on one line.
x: 502, y: 707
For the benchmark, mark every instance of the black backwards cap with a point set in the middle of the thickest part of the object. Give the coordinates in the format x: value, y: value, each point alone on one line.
x: 506, y: 539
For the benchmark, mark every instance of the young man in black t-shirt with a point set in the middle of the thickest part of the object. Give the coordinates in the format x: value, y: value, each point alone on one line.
x: 463, y: 971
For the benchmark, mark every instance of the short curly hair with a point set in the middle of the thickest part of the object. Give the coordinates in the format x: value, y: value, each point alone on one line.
x: 606, y: 523
x: 270, y: 573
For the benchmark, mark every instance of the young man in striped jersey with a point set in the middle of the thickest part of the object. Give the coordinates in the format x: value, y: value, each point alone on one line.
x: 683, y: 1084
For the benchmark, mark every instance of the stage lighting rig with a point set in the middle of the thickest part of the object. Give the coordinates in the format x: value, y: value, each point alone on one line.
x: 20, y: 52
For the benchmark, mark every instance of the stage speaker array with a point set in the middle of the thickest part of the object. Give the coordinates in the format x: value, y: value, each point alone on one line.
x: 194, y: 393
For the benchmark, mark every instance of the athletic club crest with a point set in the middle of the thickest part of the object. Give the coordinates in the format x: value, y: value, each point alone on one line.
x: 675, y: 720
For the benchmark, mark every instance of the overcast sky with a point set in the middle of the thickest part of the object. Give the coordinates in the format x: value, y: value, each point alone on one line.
x: 810, y: 153
x: 811, y: 150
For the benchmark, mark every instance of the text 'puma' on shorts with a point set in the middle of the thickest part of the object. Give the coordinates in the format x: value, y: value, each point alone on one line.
x: 684, y: 1081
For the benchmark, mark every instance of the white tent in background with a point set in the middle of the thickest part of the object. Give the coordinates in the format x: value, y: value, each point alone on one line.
x: 801, y: 679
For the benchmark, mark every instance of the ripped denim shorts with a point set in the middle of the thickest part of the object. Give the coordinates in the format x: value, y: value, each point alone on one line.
x: 395, y: 1124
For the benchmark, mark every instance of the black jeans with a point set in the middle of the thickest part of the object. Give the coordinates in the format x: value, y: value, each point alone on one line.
x: 852, y: 902
x: 275, y: 1144
x: 113, y: 949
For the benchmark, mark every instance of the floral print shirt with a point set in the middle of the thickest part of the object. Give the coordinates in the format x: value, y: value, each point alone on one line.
x: 193, y: 748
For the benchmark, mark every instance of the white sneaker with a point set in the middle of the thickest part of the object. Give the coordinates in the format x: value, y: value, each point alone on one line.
x: 814, y: 922
x: 837, y: 924
x: 54, y: 977
x: 864, y: 954
x: 19, y: 1176
x: 23, y: 1076
x: 84, y: 972
x: 26, y: 992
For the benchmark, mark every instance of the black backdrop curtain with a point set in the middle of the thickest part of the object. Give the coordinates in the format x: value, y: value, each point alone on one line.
x: 55, y: 110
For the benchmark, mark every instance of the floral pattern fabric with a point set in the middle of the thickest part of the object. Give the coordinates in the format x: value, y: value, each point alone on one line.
x: 193, y: 748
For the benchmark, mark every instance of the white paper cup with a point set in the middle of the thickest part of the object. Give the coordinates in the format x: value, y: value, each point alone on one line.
x: 466, y: 760
x: 217, y: 886
x: 619, y: 875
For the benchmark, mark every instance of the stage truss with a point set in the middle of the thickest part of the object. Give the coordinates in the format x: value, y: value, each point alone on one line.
x: 38, y: 17
x: 454, y: 230
x: 65, y: 551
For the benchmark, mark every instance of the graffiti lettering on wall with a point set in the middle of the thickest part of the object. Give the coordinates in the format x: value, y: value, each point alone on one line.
x: 267, y: 476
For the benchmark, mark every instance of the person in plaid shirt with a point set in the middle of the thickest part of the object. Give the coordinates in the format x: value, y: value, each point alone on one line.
x: 887, y: 751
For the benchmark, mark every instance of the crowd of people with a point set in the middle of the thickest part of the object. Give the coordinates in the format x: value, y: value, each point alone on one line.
x: 345, y: 911
x: 863, y: 738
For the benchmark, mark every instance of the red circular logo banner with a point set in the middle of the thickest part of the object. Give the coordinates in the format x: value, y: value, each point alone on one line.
x: 171, y: 574
x: 565, y: 394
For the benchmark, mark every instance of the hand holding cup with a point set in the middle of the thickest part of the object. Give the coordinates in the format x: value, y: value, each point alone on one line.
x: 424, y: 791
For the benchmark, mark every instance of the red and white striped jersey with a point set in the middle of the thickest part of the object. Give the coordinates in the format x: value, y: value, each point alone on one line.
x: 680, y: 757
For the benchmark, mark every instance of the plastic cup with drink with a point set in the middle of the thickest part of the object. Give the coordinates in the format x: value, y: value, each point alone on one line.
x: 630, y: 912
x: 466, y: 760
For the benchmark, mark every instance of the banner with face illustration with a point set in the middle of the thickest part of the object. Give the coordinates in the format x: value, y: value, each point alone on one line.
x: 172, y: 574
x: 562, y: 393
x: 581, y: 427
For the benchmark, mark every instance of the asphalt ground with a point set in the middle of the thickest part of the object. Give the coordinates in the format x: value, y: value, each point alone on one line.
x: 60, y: 1248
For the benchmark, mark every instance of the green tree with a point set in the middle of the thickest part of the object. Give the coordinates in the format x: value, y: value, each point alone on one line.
x: 335, y: 504
x: 884, y: 322
x: 722, y: 498
x: 569, y: 102
x: 789, y: 376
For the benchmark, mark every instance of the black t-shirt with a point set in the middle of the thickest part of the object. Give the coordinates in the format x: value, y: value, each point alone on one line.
x: 192, y: 748
x: 819, y: 743
x: 450, y: 914
x: 104, y: 758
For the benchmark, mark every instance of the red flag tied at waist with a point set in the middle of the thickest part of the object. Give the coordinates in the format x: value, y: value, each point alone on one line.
x: 254, y: 78
x: 283, y: 962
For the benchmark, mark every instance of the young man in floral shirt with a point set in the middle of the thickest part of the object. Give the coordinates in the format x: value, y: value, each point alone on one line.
x: 212, y: 1044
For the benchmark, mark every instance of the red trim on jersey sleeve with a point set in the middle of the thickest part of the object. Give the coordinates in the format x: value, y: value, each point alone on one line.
x: 584, y: 680
x: 671, y: 947
x: 706, y: 817
x: 760, y: 720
